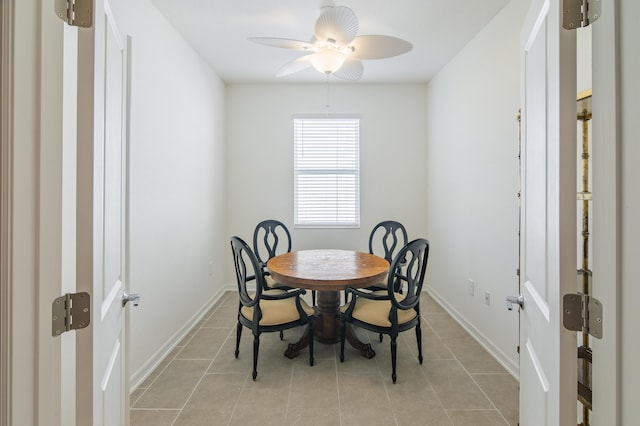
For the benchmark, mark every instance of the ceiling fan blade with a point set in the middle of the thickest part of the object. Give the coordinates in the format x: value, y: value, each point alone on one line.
x: 294, y: 66
x: 285, y: 43
x: 338, y: 25
x: 352, y: 69
x: 379, y: 46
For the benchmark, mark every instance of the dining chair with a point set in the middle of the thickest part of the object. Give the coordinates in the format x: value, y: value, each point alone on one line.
x: 268, y: 310
x: 385, y: 238
x: 270, y: 238
x: 389, y: 311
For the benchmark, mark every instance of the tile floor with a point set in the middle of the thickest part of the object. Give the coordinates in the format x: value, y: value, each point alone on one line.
x: 201, y: 383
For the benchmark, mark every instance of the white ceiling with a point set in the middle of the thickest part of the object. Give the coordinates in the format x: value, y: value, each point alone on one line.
x: 218, y: 30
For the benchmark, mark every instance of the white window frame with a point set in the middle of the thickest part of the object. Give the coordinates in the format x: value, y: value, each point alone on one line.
x: 310, y: 133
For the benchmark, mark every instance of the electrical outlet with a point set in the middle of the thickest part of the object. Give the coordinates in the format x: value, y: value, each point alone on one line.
x: 487, y: 298
x: 471, y: 287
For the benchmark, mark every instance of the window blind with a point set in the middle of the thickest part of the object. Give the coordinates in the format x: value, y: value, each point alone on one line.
x: 326, y: 172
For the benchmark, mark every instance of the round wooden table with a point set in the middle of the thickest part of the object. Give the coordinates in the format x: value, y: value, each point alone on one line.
x: 328, y: 272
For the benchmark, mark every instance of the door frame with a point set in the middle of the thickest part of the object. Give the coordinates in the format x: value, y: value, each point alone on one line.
x: 33, y: 214
x: 23, y: 204
x: 607, y: 180
x: 6, y: 90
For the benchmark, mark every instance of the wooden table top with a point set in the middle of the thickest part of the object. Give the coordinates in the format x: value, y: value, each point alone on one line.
x: 328, y: 269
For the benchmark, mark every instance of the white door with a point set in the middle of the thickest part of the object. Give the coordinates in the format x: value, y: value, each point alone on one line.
x: 102, y: 238
x: 548, y: 379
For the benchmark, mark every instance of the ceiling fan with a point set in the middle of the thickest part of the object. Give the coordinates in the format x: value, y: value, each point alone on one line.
x: 335, y: 48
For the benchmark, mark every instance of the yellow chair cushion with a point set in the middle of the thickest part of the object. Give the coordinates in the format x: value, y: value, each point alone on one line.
x: 276, y: 312
x: 271, y: 283
x: 376, y: 312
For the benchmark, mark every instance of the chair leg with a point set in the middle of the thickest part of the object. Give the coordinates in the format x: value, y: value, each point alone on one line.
x: 343, y: 329
x: 394, y: 348
x: 313, y: 298
x: 419, y: 340
x: 380, y: 337
x: 281, y: 335
x: 238, y: 335
x: 256, y: 346
x: 311, y: 339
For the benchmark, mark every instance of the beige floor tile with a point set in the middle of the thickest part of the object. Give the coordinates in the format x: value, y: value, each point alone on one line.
x: 214, y: 399
x: 202, y: 383
x: 153, y: 417
x: 135, y: 395
x: 354, y: 363
x: 225, y: 316
x: 326, y: 350
x: 472, y: 356
x: 445, y: 326
x: 160, y: 368
x: 503, y: 390
x: 312, y: 416
x: 174, y: 385
x: 187, y: 337
x: 205, y: 344
x: 362, y: 390
x: 376, y: 414
x: 429, y: 306
x: 226, y: 362
x: 417, y: 407
x: 409, y: 378
x: 454, y: 387
x: 275, y: 376
x: 260, y: 407
x: 476, y: 418
x: 432, y: 346
x: 314, y: 387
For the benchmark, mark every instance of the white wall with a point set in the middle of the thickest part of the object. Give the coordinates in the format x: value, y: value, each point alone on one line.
x: 472, y: 183
x: 177, y: 184
x: 260, y: 155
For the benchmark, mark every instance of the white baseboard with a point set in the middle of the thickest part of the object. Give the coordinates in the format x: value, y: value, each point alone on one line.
x: 143, y: 372
x: 506, y: 362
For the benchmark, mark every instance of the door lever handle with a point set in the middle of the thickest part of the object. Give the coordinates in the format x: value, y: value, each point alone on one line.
x: 134, y: 298
x: 511, y: 300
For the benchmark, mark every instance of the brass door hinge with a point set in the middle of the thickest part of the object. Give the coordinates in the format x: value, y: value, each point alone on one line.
x: 70, y: 312
x: 579, y: 13
x: 77, y: 13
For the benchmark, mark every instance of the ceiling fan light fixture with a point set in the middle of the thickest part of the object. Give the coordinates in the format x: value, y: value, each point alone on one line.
x: 328, y: 60
x: 338, y: 50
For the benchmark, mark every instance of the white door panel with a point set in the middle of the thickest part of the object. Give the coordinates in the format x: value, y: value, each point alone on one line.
x: 548, y: 218
x: 105, y: 59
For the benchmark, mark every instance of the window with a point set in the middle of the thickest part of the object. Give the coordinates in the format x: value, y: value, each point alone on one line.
x: 326, y: 172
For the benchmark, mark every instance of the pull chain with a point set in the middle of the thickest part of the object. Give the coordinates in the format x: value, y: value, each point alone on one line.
x: 328, y: 93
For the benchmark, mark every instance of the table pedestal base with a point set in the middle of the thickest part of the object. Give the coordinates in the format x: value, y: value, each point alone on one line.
x: 327, y: 327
